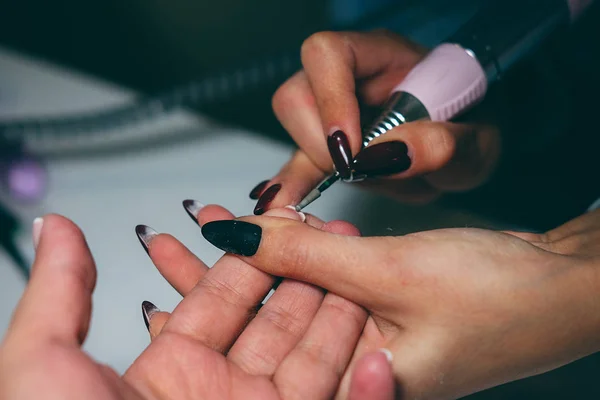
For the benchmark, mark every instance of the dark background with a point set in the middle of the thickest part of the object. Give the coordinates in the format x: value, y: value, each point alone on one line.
x: 151, y: 45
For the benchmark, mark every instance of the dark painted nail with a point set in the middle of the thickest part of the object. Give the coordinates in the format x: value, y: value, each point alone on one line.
x: 386, y: 158
x: 145, y: 234
x: 192, y: 207
x: 341, y: 153
x: 266, y: 199
x: 258, y: 189
x: 235, y: 237
x: 148, y: 310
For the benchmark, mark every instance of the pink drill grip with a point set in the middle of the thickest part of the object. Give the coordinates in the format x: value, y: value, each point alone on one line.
x: 447, y: 82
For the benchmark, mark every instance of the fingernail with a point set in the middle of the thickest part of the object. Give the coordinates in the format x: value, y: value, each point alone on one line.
x: 36, y: 231
x: 388, y: 355
x: 300, y: 213
x: 341, y: 153
x: 192, y: 208
x: 266, y: 199
x: 386, y: 158
x: 145, y: 234
x: 255, y: 193
x: 237, y: 237
x: 148, y: 310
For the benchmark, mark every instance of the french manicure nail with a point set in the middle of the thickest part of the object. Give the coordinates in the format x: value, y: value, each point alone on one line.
x: 266, y: 199
x: 341, y: 153
x: 148, y: 310
x: 236, y: 237
x: 255, y: 193
x: 145, y: 234
x: 381, y: 159
x: 36, y: 231
x: 192, y: 208
x: 388, y: 355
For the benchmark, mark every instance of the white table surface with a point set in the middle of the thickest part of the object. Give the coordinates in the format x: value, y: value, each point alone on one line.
x: 108, y: 195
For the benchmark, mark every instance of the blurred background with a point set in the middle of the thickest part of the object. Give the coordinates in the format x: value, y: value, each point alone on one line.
x: 67, y: 56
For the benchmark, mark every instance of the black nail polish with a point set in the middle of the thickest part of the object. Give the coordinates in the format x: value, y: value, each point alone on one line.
x: 381, y: 159
x: 341, y: 153
x: 266, y: 199
x: 145, y: 235
x: 192, y: 207
x: 258, y: 189
x: 148, y: 310
x: 237, y: 237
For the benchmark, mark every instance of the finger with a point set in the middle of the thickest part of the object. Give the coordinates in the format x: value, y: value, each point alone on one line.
x: 298, y: 177
x: 324, y: 352
x: 154, y: 319
x: 333, y: 61
x: 219, y: 307
x: 277, y: 327
x: 355, y: 268
x: 373, y: 378
x: 295, y: 107
x: 178, y: 265
x: 450, y: 156
x: 281, y: 322
x: 57, y: 303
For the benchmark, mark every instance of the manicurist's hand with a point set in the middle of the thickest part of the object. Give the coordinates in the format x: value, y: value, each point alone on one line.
x: 319, y: 107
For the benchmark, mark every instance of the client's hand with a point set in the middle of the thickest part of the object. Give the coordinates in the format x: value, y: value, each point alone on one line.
x: 460, y: 309
x: 298, y: 345
x: 301, y: 338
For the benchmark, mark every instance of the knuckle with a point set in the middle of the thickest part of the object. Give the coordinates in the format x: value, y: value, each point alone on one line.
x: 283, y: 319
x: 319, y: 43
x: 224, y: 291
x: 282, y: 97
x: 440, y: 145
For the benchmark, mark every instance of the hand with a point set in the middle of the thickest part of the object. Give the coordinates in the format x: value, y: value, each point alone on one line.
x: 461, y: 310
x: 291, y: 340
x: 283, y: 319
x: 319, y: 108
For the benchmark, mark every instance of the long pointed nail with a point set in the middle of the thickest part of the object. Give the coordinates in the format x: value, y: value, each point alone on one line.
x: 145, y: 234
x: 258, y: 189
x: 266, y: 199
x: 341, y: 153
x: 36, y: 231
x: 192, y: 208
x: 381, y: 159
x: 237, y: 237
x: 148, y: 310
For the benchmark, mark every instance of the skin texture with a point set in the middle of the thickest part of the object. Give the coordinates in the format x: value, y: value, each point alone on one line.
x: 461, y: 309
x: 345, y: 69
x: 271, y: 352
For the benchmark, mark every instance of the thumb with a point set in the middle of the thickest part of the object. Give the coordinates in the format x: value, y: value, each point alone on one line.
x: 373, y: 378
x: 355, y: 268
x: 451, y: 156
x: 56, y: 305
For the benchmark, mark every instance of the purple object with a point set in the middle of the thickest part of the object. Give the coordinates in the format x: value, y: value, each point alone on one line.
x: 26, y: 180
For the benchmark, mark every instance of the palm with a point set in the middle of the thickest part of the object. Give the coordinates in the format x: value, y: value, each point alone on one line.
x: 175, y: 367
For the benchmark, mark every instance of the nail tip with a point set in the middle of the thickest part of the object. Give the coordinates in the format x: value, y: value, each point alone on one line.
x: 148, y: 310
x: 257, y: 190
x: 192, y: 208
x: 145, y: 235
x: 266, y: 199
